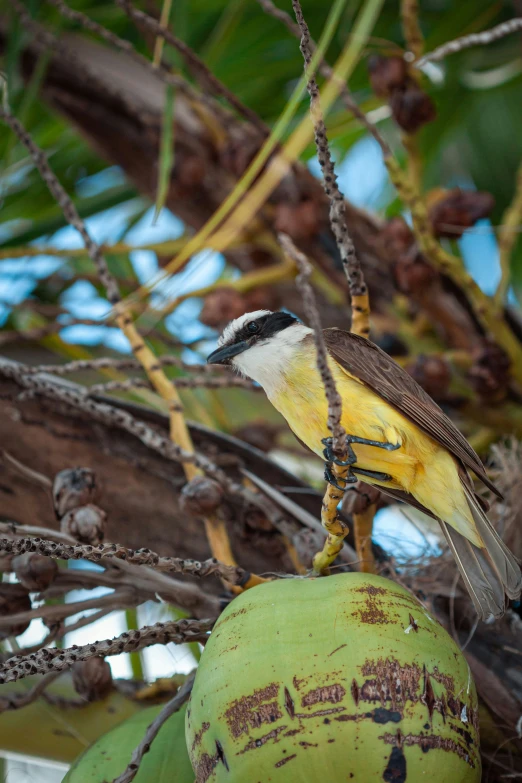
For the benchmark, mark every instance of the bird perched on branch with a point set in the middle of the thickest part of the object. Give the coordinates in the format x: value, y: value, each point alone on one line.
x: 399, y: 439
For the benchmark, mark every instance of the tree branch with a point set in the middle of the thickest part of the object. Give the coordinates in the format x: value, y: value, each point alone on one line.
x: 325, y: 70
x: 57, y: 660
x: 358, y: 289
x: 194, y: 62
x: 14, y: 701
x: 336, y: 529
x: 141, y: 557
x: 467, y: 41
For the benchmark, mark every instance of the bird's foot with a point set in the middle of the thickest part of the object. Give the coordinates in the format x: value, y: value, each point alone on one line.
x: 329, y: 454
x: 332, y: 479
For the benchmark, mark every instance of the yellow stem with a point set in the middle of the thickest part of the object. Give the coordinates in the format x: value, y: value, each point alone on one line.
x: 507, y: 237
x: 162, y: 248
x: 484, y: 307
x: 215, y: 527
x: 336, y: 529
x: 164, y: 20
x: 165, y: 388
x: 270, y: 275
x: 362, y: 528
x: 411, y: 146
x: 411, y: 27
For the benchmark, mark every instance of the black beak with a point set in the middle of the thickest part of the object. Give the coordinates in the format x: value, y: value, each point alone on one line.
x: 222, y: 355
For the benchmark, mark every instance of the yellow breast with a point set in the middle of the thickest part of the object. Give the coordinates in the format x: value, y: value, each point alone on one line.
x: 302, y: 401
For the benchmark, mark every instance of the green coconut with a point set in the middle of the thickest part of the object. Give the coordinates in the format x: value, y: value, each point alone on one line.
x: 166, y: 762
x: 344, y: 678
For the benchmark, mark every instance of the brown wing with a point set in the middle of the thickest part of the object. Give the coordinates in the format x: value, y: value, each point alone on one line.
x: 379, y: 372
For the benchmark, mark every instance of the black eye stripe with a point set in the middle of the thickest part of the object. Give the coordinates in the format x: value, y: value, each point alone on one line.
x: 267, y: 326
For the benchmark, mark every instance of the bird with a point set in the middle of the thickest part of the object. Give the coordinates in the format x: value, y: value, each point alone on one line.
x: 399, y: 438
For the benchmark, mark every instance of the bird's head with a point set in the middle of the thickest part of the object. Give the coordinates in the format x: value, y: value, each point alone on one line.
x: 258, y: 344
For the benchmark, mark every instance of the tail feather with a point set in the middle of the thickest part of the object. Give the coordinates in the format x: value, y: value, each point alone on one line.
x: 481, y: 579
x: 489, y: 571
x: 502, y: 559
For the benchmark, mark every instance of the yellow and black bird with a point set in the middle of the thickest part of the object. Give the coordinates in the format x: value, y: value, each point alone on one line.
x: 404, y: 443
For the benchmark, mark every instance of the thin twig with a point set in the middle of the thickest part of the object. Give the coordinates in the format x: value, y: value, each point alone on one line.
x: 335, y: 527
x: 182, y: 383
x: 64, y: 202
x: 153, y: 730
x: 411, y: 27
x: 102, y: 411
x: 332, y: 395
x: 17, y: 530
x: 325, y: 70
x: 474, y: 39
x: 158, y: 69
x: 44, y: 41
x: 56, y: 659
x: 56, y: 613
x: 106, y: 362
x: 39, y: 332
x: 194, y: 62
x: 356, y: 283
x: 16, y: 700
x: 96, y: 554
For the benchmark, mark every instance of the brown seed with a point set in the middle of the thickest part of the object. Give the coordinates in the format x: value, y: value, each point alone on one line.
x: 92, y: 678
x: 200, y: 496
x: 85, y: 524
x: 413, y: 273
x: 432, y: 373
x: 454, y: 210
x: 489, y: 375
x: 360, y: 498
x: 35, y: 572
x: 13, y: 599
x: 397, y: 237
x: 72, y: 488
x: 300, y: 221
x: 222, y: 306
x: 387, y: 74
x: 412, y: 108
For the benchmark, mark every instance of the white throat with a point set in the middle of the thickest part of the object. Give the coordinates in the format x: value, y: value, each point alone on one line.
x: 267, y: 361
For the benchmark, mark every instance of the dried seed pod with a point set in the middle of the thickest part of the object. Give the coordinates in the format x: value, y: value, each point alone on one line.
x: 432, y: 373
x: 412, y: 108
x: 300, y: 221
x: 222, y: 306
x: 72, y: 488
x: 202, y: 495
x: 489, y: 375
x: 264, y: 298
x: 413, y: 274
x: 359, y: 498
x: 397, y: 237
x: 387, y: 74
x: 255, y: 519
x: 92, y: 678
x: 13, y: 599
x: 85, y: 524
x: 35, y: 572
x: 454, y: 210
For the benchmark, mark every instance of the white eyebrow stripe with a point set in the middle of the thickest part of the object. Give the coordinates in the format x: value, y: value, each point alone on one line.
x: 235, y: 326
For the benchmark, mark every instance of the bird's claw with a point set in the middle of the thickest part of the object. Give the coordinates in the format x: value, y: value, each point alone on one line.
x: 330, y: 477
x: 330, y: 457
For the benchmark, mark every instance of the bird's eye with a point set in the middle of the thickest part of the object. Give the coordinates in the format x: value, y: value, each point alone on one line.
x: 253, y: 327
